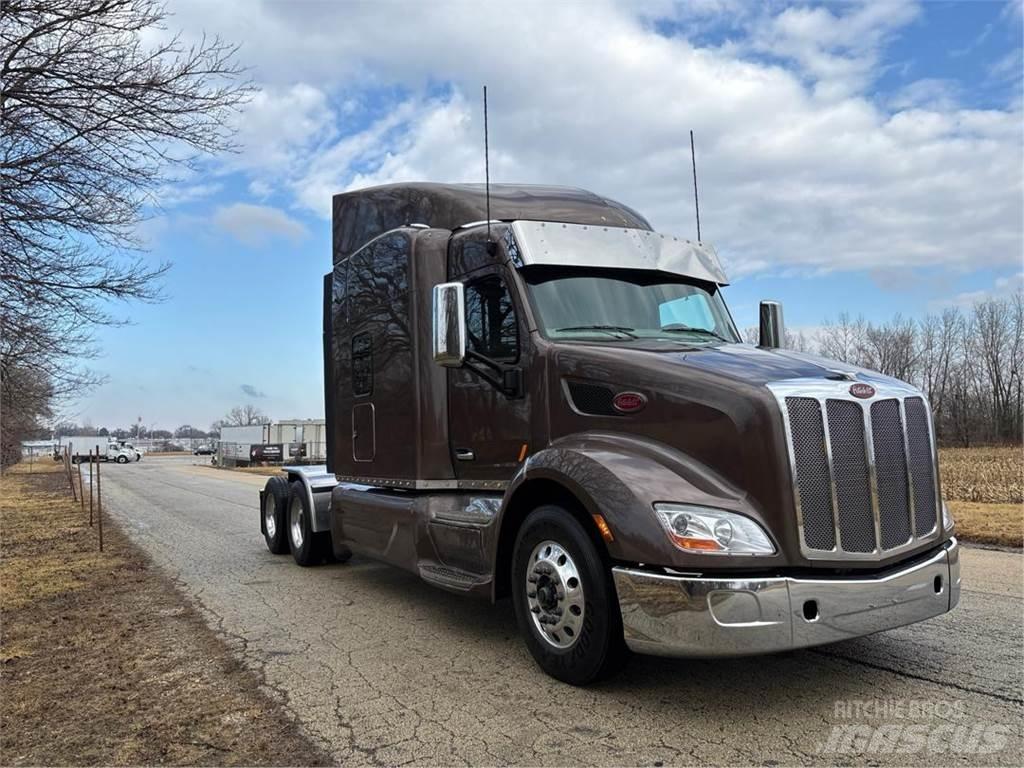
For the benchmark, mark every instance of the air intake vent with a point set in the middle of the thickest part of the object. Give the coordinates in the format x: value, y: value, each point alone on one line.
x: 592, y: 399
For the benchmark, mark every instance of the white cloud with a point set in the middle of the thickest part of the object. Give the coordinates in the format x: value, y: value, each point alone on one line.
x: 800, y: 167
x: 252, y: 224
x: 839, y: 52
x: 1004, y: 286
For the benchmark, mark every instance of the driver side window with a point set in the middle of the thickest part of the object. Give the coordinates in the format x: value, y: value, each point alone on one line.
x: 491, y: 326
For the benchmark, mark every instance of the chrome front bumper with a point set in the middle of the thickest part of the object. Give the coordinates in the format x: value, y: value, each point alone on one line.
x: 669, y: 615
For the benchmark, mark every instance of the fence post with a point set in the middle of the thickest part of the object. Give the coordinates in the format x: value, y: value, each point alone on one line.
x: 92, y: 480
x: 99, y: 503
x: 67, y: 466
x: 81, y: 488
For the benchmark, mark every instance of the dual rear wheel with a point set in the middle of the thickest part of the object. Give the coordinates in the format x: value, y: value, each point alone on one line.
x: 286, y: 520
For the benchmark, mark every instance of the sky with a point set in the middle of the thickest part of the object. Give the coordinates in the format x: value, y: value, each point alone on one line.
x: 861, y: 158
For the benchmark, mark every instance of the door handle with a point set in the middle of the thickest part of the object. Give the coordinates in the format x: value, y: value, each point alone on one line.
x: 464, y: 454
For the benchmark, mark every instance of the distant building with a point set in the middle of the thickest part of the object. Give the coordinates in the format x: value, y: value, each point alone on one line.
x: 297, y: 440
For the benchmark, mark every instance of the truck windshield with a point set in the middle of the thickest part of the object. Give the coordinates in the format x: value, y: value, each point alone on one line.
x: 626, y: 304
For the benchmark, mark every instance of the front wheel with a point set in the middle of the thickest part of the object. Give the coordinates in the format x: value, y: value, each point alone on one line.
x: 564, y: 598
x: 122, y: 460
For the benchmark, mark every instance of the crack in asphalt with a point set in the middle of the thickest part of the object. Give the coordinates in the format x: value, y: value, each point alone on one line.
x: 913, y: 676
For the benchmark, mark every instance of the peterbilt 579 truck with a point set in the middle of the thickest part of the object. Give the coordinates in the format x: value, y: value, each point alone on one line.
x: 532, y: 394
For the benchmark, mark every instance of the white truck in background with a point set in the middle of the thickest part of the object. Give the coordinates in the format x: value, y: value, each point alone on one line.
x: 109, y: 449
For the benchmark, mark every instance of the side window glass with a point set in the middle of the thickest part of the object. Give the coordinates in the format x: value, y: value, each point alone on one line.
x: 362, y: 364
x: 491, y: 327
x: 692, y: 311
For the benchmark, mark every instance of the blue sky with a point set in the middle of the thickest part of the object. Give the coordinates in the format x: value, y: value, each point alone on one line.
x: 864, y: 158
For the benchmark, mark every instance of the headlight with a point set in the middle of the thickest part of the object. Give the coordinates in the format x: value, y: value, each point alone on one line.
x: 947, y: 518
x: 706, y: 530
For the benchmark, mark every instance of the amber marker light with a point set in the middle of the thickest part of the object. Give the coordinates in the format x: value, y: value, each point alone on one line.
x: 688, y: 542
x: 522, y: 452
x: 602, y: 526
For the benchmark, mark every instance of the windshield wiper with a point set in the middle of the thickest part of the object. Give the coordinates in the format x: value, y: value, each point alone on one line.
x: 610, y: 328
x: 680, y: 328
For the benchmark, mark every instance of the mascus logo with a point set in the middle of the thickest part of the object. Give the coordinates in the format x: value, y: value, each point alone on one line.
x: 629, y: 402
x: 862, y: 391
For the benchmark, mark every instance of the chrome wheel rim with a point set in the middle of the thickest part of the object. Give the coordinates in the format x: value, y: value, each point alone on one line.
x: 269, y: 518
x: 554, y: 594
x: 295, y: 519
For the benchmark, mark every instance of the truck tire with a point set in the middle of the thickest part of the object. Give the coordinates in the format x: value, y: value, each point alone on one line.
x: 565, y: 600
x: 274, y: 515
x: 122, y: 459
x: 306, y: 545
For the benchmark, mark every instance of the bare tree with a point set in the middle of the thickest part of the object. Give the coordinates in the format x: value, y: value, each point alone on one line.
x: 843, y: 340
x: 797, y: 341
x: 94, y: 119
x: 244, y: 416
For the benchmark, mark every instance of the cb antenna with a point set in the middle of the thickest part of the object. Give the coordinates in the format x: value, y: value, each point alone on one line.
x: 487, y: 169
x: 693, y: 161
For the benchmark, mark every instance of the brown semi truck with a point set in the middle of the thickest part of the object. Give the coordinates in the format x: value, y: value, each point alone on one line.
x: 532, y: 394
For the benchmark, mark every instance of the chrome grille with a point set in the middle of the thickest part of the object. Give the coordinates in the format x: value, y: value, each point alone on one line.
x: 864, y: 476
x: 891, y: 472
x: 922, y: 470
x: 815, y: 486
x: 850, y: 475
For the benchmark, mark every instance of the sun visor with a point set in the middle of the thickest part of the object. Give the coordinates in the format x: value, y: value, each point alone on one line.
x: 583, y: 245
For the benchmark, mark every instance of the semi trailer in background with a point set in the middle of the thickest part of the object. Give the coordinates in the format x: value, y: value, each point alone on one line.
x: 530, y: 393
x: 299, y: 440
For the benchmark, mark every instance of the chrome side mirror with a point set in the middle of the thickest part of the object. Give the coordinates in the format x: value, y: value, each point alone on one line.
x: 449, y: 324
x: 772, y: 331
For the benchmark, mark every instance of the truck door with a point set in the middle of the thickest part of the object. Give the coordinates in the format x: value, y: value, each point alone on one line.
x: 487, y: 426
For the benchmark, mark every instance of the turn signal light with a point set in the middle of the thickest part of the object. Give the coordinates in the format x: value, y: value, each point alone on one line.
x: 602, y: 526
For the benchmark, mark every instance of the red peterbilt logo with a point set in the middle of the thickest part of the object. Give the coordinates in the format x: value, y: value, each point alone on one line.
x: 863, y: 391
x: 629, y: 402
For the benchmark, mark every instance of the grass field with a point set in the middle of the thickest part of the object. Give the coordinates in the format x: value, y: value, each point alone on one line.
x: 104, y: 662
x: 984, y: 488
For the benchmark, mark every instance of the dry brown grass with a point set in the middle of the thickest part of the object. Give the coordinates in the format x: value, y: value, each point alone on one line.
x: 254, y: 470
x: 37, y: 563
x: 103, y: 662
x: 988, y: 475
x: 1001, y: 524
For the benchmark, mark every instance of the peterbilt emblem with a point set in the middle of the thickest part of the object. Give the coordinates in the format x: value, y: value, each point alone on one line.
x: 863, y: 391
x: 629, y: 402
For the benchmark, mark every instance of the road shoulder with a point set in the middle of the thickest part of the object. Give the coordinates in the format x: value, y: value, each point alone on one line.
x: 105, y: 662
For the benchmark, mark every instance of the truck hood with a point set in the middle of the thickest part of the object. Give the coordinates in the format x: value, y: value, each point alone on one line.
x: 757, y: 366
x: 708, y: 414
x: 743, y: 364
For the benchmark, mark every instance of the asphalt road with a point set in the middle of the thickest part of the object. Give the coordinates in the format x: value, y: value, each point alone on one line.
x: 382, y: 669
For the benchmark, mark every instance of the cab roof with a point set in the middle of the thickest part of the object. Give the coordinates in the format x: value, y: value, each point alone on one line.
x: 363, y: 214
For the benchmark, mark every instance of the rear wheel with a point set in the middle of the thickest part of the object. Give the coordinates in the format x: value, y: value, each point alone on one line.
x: 274, y: 515
x: 564, y: 599
x: 306, y: 545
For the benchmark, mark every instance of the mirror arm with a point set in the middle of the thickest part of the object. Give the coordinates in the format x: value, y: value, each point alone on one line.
x: 500, y: 381
x: 492, y: 364
x: 484, y: 374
